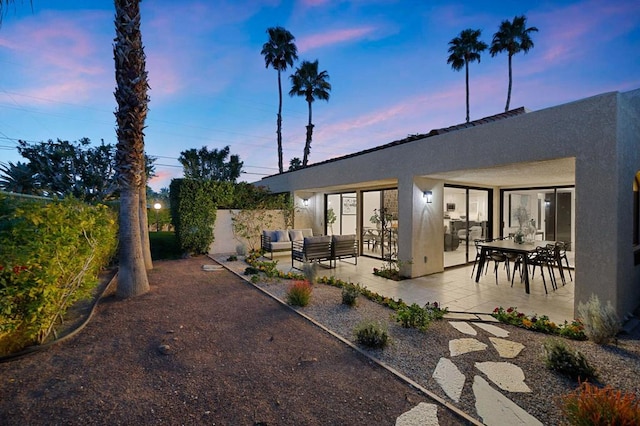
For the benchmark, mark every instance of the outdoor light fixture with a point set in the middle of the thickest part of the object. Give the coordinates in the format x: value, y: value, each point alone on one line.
x: 428, y: 196
x: 157, y: 207
x: 305, y: 202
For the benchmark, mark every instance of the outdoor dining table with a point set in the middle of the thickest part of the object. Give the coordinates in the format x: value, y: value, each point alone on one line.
x: 510, y: 246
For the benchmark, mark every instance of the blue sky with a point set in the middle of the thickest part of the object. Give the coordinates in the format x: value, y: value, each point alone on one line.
x: 387, y: 62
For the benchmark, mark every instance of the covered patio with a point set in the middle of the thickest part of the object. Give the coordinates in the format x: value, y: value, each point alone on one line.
x: 456, y: 289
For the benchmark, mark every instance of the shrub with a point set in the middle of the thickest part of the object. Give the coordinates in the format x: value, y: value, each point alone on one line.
x: 372, y: 335
x: 310, y: 272
x: 417, y: 317
x: 50, y: 257
x: 567, y: 362
x: 591, y: 405
x: 299, y: 293
x: 601, y: 323
x: 350, y: 294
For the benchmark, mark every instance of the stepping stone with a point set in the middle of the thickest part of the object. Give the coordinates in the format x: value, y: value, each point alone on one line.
x: 463, y: 346
x: 450, y: 379
x: 496, y: 331
x: 506, y: 376
x: 487, y: 318
x: 496, y: 409
x: 463, y: 327
x: 506, y: 348
x: 422, y: 414
x: 460, y: 316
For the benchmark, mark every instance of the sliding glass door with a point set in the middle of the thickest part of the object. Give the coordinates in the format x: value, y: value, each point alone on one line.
x: 466, y: 218
x: 340, y: 214
x: 380, y: 223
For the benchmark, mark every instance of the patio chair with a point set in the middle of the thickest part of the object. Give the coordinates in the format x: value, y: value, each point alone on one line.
x: 561, y: 253
x: 544, y: 257
x: 478, y: 246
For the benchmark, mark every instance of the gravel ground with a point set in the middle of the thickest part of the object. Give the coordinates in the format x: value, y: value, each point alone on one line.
x: 415, y: 353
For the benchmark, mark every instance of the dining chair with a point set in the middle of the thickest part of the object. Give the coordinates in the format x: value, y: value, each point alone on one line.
x: 543, y: 257
x: 478, y: 246
x: 561, y: 253
x: 499, y: 257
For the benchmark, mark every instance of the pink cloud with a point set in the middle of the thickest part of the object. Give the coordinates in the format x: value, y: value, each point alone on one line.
x: 334, y: 37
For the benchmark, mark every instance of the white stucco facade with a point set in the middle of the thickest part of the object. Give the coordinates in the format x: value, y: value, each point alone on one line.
x: 598, y: 136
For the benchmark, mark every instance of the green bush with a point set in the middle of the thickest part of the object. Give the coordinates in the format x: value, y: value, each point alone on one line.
x: 299, y: 293
x: 567, y: 362
x: 372, y: 335
x: 601, y: 323
x: 350, y: 294
x: 418, y: 317
x: 590, y: 405
x: 50, y: 257
x: 164, y: 245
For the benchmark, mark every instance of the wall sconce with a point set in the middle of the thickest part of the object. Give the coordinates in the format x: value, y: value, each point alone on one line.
x: 428, y: 196
x: 305, y: 202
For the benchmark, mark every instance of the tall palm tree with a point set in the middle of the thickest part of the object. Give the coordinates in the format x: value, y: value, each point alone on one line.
x: 512, y: 37
x: 464, y: 49
x: 279, y: 52
x: 132, y: 99
x: 19, y: 178
x: 311, y: 84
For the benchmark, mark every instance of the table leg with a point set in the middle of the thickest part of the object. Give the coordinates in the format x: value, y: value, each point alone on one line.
x: 481, y: 261
x: 526, y: 272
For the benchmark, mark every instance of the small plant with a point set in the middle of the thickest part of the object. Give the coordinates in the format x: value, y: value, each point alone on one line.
x: 591, y: 405
x: 255, y: 279
x: 350, y: 294
x: 601, y: 323
x: 299, y: 293
x: 416, y: 317
x: 310, y: 271
x: 372, y: 335
x: 251, y: 270
x: 232, y: 258
x: 565, y: 361
x: 241, y: 250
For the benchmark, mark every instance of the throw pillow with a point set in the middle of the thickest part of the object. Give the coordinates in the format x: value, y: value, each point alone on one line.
x: 282, y: 236
x: 296, y: 235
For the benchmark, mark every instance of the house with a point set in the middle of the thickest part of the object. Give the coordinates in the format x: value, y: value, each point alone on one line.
x: 572, y: 170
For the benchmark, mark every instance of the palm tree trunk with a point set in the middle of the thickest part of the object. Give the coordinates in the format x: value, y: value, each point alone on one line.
x: 506, y: 108
x: 307, y: 144
x: 131, y: 96
x: 466, y: 69
x: 279, y: 130
x: 132, y: 272
x: 144, y: 228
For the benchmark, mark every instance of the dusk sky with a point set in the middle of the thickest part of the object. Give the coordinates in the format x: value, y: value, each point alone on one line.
x: 387, y: 62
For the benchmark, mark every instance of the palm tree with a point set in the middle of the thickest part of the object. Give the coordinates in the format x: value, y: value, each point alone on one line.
x: 307, y: 82
x: 19, y: 178
x: 512, y: 37
x: 464, y: 49
x: 279, y: 52
x: 131, y: 96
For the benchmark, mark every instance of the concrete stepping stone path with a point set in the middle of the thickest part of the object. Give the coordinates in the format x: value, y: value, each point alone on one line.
x: 450, y: 379
x: 466, y: 345
x: 506, y: 376
x: 464, y: 327
x: 490, y: 328
x: 496, y: 409
x: 506, y: 348
x: 422, y: 414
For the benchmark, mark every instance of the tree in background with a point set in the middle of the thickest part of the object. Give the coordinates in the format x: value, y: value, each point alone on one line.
x: 512, y: 37
x: 295, y: 164
x: 311, y: 84
x: 131, y: 97
x: 464, y: 49
x: 202, y: 164
x: 279, y: 52
x: 64, y: 168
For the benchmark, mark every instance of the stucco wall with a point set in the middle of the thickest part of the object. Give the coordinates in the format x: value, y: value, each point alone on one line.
x: 600, y: 133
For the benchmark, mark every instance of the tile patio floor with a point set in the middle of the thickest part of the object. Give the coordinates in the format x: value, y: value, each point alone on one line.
x: 456, y: 290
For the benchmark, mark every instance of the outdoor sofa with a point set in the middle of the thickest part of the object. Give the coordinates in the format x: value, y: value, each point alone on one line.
x: 328, y: 248
x: 279, y: 240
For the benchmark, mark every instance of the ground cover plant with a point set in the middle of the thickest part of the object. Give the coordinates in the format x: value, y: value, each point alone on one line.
x: 566, y: 361
x: 572, y: 330
x: 372, y: 335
